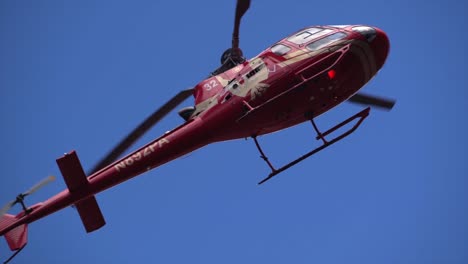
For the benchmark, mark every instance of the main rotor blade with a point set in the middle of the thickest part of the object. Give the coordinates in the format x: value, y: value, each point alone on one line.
x: 6, y: 208
x: 371, y: 100
x: 39, y: 185
x: 241, y: 7
x: 141, y: 129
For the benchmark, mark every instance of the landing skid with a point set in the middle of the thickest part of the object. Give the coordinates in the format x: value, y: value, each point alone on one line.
x: 320, y: 136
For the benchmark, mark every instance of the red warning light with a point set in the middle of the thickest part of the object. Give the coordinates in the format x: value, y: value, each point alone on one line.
x: 331, y: 74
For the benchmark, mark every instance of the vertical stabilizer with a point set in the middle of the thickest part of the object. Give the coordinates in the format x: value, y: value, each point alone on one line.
x: 16, y: 238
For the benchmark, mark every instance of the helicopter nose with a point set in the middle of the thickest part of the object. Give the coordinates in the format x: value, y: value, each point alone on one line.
x: 381, y: 46
x: 378, y: 41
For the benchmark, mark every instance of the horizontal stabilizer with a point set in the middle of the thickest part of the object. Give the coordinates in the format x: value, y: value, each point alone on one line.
x: 17, y: 237
x: 77, y: 182
x: 72, y: 172
x: 90, y: 214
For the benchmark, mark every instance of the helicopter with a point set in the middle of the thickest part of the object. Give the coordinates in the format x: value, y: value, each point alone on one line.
x: 295, y: 80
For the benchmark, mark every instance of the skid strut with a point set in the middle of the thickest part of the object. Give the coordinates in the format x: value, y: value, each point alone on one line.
x: 320, y: 136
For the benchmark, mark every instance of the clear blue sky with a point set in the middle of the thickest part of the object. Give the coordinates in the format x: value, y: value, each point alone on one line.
x: 81, y: 74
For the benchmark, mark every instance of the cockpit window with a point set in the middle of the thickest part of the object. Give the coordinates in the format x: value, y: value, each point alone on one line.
x: 280, y: 49
x: 340, y: 26
x: 318, y: 44
x: 308, y: 35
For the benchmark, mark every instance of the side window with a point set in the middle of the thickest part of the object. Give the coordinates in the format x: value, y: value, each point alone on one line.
x: 280, y: 49
x: 308, y: 35
x: 318, y: 44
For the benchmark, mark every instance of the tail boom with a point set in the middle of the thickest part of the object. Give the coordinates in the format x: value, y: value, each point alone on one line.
x: 81, y: 189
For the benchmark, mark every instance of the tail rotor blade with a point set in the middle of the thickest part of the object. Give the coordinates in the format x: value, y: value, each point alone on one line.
x: 39, y: 185
x: 138, y: 132
x: 371, y: 100
x: 6, y: 208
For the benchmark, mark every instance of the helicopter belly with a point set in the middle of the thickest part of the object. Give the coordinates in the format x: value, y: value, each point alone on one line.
x: 324, y: 88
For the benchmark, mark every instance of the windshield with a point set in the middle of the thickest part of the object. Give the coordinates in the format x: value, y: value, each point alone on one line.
x: 318, y: 44
x: 308, y: 35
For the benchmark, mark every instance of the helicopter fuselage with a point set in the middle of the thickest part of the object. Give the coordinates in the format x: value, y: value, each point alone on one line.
x: 301, y: 76
x: 294, y: 80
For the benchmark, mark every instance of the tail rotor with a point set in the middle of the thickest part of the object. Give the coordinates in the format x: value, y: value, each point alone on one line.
x: 20, y: 198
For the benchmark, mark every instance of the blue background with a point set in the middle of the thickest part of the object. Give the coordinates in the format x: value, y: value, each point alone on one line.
x: 81, y: 74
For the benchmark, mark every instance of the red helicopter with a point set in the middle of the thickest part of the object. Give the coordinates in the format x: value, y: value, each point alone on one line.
x: 293, y: 81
